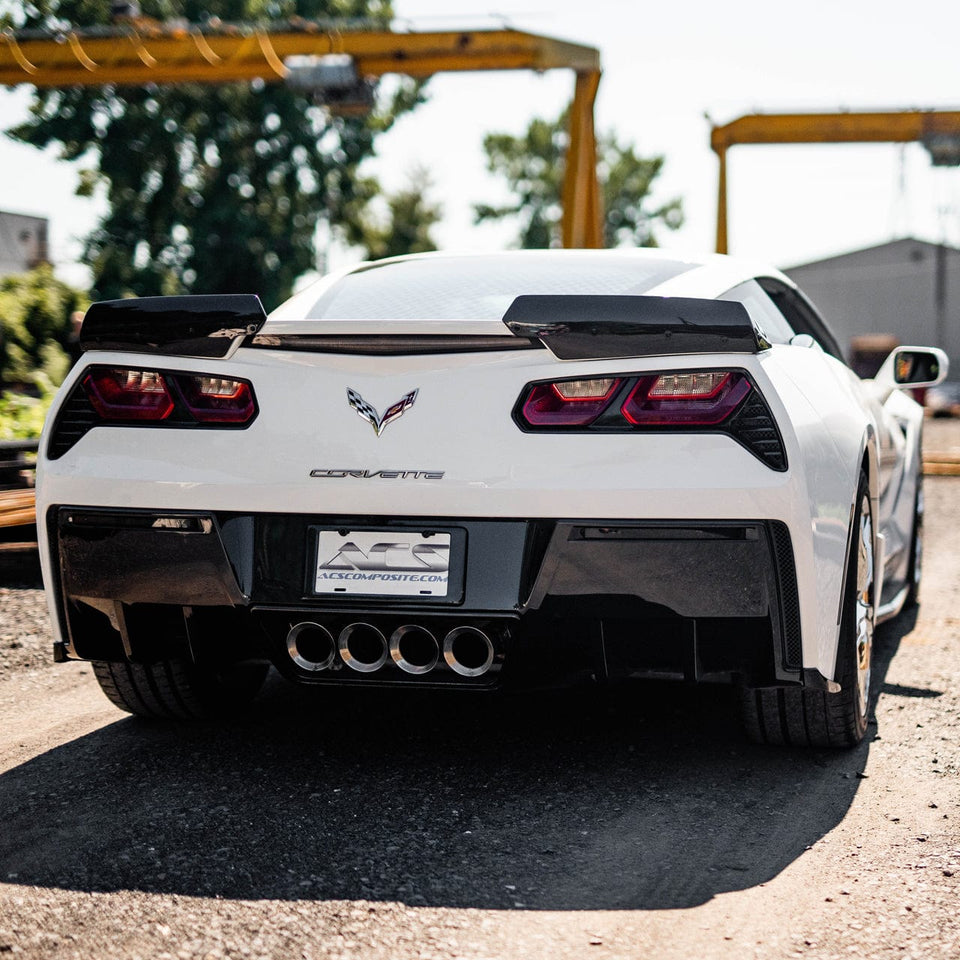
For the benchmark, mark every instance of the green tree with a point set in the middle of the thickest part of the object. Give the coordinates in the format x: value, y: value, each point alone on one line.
x: 35, y: 327
x: 215, y: 188
x: 532, y: 165
x: 405, y: 227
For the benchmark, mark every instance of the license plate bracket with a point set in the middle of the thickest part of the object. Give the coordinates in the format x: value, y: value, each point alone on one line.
x: 400, y: 564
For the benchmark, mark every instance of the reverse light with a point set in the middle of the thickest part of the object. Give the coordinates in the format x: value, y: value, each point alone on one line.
x: 569, y: 403
x: 217, y: 399
x: 585, y: 389
x: 685, y: 399
x: 689, y: 386
x: 120, y: 394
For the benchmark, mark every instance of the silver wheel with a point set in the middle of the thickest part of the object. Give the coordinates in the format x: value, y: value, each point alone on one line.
x: 918, y: 540
x: 915, y: 570
x: 864, y: 604
x: 915, y: 566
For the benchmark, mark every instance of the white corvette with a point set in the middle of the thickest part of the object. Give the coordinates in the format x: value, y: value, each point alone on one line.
x: 481, y: 471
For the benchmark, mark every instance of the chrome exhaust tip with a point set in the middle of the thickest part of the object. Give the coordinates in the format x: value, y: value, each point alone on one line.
x: 414, y: 649
x: 362, y: 647
x: 311, y: 646
x: 468, y: 651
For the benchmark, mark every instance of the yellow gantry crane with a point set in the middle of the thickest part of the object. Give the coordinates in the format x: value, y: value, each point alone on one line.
x: 937, y: 130
x: 144, y: 52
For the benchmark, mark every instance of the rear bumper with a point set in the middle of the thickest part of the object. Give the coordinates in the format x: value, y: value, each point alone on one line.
x: 701, y: 600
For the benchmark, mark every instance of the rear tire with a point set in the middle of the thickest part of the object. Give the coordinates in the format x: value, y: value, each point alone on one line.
x: 179, y: 689
x: 795, y: 716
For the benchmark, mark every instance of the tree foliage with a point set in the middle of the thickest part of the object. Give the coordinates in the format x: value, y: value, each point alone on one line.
x: 22, y: 415
x: 533, y: 164
x: 213, y: 188
x: 35, y: 326
x: 404, y: 227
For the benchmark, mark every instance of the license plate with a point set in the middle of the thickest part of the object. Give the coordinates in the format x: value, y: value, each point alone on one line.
x: 384, y: 563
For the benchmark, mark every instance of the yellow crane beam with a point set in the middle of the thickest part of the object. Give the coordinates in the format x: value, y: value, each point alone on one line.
x: 157, y: 53
x: 926, y: 126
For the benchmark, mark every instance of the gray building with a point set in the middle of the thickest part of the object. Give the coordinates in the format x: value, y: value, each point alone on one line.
x: 908, y: 289
x: 23, y: 242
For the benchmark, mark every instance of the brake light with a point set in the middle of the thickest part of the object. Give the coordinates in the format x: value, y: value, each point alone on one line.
x: 687, y: 399
x: 216, y: 399
x: 569, y: 403
x: 119, y: 394
x: 714, y: 401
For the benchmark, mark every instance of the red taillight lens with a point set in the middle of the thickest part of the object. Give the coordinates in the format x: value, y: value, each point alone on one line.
x: 216, y: 399
x: 118, y: 394
x: 177, y: 399
x: 569, y: 403
x: 689, y: 399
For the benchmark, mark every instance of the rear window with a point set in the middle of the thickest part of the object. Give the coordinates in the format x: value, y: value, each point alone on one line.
x: 482, y: 288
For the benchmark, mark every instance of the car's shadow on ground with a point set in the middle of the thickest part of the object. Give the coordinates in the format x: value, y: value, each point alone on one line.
x: 643, y: 798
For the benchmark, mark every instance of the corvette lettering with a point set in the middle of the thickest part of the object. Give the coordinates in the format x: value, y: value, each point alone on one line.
x: 326, y: 474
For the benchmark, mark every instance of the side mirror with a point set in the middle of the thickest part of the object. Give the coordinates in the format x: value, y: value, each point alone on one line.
x: 914, y: 367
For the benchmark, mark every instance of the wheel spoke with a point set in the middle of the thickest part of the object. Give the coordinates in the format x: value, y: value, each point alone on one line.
x: 864, y: 610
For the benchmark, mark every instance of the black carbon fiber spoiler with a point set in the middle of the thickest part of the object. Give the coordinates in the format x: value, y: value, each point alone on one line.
x: 194, y: 326
x: 609, y: 327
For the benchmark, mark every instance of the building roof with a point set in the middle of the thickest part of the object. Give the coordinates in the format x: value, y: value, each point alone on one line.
x: 893, y: 251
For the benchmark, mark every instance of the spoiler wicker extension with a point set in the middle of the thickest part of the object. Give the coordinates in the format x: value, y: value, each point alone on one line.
x: 579, y: 327
x: 191, y: 326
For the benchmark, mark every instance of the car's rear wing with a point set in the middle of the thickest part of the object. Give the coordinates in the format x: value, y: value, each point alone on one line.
x: 579, y: 327
x: 192, y: 326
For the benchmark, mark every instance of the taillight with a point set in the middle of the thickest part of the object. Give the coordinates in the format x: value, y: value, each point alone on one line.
x: 216, y: 399
x: 160, y: 399
x: 683, y: 399
x: 721, y: 401
x: 688, y: 399
x: 569, y: 403
x: 120, y: 394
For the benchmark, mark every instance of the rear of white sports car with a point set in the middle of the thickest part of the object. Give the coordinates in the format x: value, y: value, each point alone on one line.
x: 409, y: 476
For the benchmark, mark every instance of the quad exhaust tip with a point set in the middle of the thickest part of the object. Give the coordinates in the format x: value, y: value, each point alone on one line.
x: 311, y: 646
x: 414, y: 649
x: 362, y: 647
x: 468, y: 651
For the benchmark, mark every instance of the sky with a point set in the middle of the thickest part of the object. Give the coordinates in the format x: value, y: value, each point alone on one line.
x: 666, y: 68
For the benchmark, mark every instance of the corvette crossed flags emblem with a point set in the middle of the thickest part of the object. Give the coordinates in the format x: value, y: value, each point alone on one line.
x: 369, y: 412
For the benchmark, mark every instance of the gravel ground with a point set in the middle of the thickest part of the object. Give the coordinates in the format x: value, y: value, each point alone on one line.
x: 563, y: 825
x: 25, y: 640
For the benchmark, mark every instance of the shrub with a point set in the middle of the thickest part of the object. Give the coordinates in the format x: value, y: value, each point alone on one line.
x: 35, y: 327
